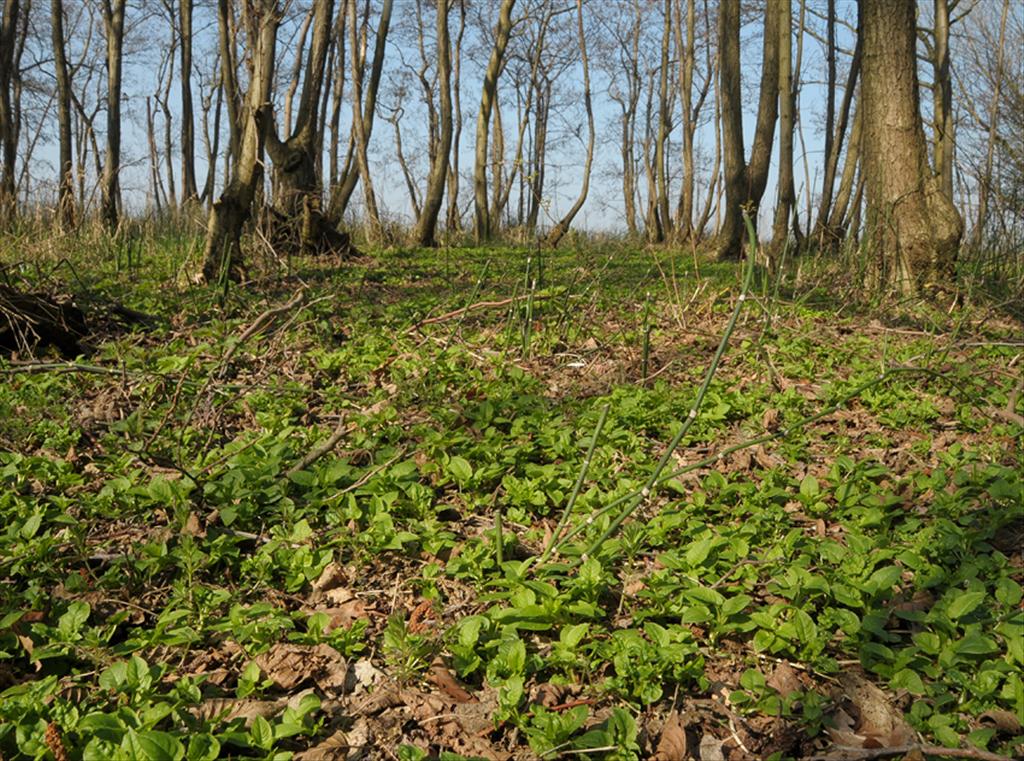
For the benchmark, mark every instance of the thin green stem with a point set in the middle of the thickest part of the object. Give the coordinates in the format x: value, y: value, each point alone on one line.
x: 652, y: 480
x: 579, y: 485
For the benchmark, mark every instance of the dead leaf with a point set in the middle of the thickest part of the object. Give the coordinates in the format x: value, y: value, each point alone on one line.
x: 366, y: 674
x: 672, y: 743
x: 442, y: 678
x: 711, y: 749
x: 342, y: 745
x: 872, y: 721
x: 1004, y: 721
x: 193, y: 527
x: 784, y: 680
x: 331, y: 577
x: 228, y: 709
x: 548, y: 695
x: 290, y: 665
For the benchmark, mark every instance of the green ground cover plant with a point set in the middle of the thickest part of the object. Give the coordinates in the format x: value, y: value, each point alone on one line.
x: 507, y: 503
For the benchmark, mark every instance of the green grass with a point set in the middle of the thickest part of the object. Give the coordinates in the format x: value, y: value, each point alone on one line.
x: 181, y: 578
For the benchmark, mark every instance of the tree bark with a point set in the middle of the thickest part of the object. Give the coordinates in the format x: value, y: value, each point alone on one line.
x: 787, y: 106
x: 65, y: 167
x: 362, y: 122
x: 943, y: 99
x: 745, y: 183
x: 113, y: 27
x: 439, y: 164
x: 454, y: 216
x: 562, y: 227
x: 913, y: 226
x: 664, y: 228
x: 8, y: 119
x: 222, y: 254
x: 482, y: 226
x: 189, y: 189
x: 985, y: 182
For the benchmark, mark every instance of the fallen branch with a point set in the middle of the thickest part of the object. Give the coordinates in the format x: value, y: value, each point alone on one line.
x: 475, y: 307
x: 342, y: 430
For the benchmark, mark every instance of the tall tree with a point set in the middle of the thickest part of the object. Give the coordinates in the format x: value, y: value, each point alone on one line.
x: 222, y: 253
x: 562, y: 227
x: 786, y: 192
x: 914, y: 227
x: 439, y: 162
x: 942, y: 97
x: 483, y: 220
x: 65, y: 166
x: 113, y: 29
x: 8, y: 119
x: 985, y: 180
x: 189, y: 189
x: 364, y: 94
x: 745, y: 183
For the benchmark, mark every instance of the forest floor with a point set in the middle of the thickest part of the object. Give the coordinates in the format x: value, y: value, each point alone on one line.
x: 324, y: 515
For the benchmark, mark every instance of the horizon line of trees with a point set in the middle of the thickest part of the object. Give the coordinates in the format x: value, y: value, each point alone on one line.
x: 288, y: 105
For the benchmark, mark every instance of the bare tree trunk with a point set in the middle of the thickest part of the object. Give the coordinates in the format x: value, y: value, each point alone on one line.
x: 362, y: 122
x: 454, y: 217
x: 914, y: 227
x: 744, y: 184
x: 222, y: 255
x: 664, y: 229
x: 836, y: 224
x: 559, y: 230
x: 439, y: 165
x: 985, y: 183
x: 113, y: 26
x: 497, y: 165
x: 65, y: 186
x: 189, y: 191
x: 943, y: 99
x: 229, y: 78
x: 8, y: 120
x: 687, y: 62
x: 410, y: 182
x: 337, y: 96
x: 823, y: 234
x: 155, y: 183
x: 361, y: 127
x: 483, y: 222
x: 787, y: 106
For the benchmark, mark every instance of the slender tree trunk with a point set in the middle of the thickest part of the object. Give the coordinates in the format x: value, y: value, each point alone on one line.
x: 836, y: 224
x: 985, y: 183
x: 787, y: 106
x: 745, y: 184
x: 113, y: 26
x: 362, y: 122
x: 823, y: 234
x: 454, y: 217
x: 687, y: 62
x: 8, y: 119
x: 189, y: 190
x: 65, y: 167
x: 913, y: 225
x: 559, y: 230
x: 830, y: 76
x: 155, y: 183
x: 234, y: 207
x: 439, y: 165
x: 943, y: 99
x: 664, y: 229
x: 495, y: 63
x: 361, y: 127
x: 226, y: 29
